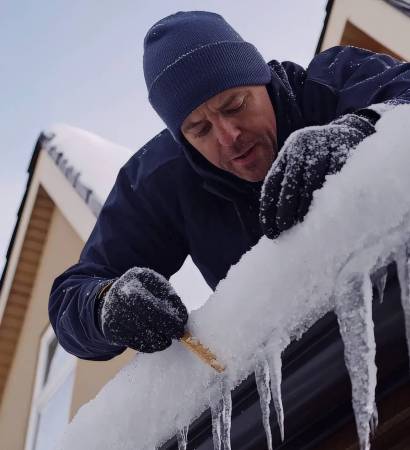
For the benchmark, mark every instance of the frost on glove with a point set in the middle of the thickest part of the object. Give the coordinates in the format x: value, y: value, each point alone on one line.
x: 142, y: 311
x: 308, y: 156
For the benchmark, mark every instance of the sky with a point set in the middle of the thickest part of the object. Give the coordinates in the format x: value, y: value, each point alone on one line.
x: 79, y: 62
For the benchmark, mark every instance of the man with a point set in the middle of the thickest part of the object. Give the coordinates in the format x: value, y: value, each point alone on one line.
x: 195, y: 188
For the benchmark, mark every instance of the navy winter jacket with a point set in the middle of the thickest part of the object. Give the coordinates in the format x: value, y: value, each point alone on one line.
x: 169, y: 202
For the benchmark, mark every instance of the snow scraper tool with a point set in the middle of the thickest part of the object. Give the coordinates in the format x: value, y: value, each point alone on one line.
x: 203, y: 353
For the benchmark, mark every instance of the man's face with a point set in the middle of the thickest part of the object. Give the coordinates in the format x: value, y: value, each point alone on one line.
x: 236, y: 131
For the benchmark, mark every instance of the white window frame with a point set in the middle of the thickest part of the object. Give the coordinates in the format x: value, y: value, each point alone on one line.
x: 42, y: 393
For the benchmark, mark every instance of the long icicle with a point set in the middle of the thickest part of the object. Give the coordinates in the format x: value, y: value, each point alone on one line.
x: 216, y: 413
x: 221, y: 411
x: 274, y: 357
x: 226, y: 415
x: 354, y: 314
x: 403, y: 272
x: 262, y: 378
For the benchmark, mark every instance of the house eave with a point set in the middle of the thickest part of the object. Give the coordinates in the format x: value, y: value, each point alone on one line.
x: 47, y: 189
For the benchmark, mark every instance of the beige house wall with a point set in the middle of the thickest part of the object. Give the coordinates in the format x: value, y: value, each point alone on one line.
x: 65, y: 240
x: 61, y: 249
x: 378, y: 19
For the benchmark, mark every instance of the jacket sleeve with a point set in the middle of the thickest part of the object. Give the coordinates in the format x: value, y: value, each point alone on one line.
x: 344, y: 79
x: 134, y: 228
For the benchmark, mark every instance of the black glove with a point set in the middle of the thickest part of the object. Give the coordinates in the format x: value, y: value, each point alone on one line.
x: 142, y: 311
x: 302, y: 165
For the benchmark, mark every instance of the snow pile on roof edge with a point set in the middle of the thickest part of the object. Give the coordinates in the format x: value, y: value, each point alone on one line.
x: 272, y: 295
x: 95, y: 160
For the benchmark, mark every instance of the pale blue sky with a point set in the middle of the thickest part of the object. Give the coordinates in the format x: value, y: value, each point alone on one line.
x: 80, y: 62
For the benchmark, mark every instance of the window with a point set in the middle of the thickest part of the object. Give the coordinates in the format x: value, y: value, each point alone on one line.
x: 52, y: 394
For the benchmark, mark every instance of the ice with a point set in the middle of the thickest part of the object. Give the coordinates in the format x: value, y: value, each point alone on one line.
x: 275, y: 370
x: 268, y: 377
x: 221, y: 412
x: 403, y: 271
x: 217, y: 406
x: 226, y: 415
x: 277, y: 290
x: 374, y: 421
x: 380, y: 282
x: 353, y: 310
x: 262, y: 379
x: 182, y: 438
x: 216, y: 413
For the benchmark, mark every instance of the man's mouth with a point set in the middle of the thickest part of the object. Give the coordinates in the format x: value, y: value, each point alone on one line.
x: 244, y: 155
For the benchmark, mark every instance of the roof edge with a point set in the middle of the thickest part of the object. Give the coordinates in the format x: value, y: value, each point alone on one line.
x: 30, y: 171
x: 329, y: 7
x: 44, y: 142
x: 72, y: 174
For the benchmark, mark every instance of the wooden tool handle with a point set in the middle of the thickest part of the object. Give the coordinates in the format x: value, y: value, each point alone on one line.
x: 201, y: 351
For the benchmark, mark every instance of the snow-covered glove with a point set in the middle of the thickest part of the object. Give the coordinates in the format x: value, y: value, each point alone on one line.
x: 142, y: 311
x: 308, y: 156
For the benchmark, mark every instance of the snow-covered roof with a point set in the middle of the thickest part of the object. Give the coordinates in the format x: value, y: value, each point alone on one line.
x: 357, y: 224
x: 88, y: 161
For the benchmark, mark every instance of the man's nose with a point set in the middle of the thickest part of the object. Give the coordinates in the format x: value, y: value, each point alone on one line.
x: 227, y: 132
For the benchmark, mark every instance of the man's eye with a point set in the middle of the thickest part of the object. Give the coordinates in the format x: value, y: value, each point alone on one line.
x: 235, y: 108
x: 202, y: 131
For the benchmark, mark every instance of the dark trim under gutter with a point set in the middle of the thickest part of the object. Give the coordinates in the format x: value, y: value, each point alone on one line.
x: 30, y: 171
x: 401, y: 5
x: 329, y: 7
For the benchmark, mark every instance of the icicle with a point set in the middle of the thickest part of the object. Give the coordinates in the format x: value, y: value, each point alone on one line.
x: 380, y: 282
x: 226, y: 415
x: 403, y: 271
x: 262, y: 378
x: 182, y: 438
x: 354, y: 314
x: 216, y: 413
x: 374, y: 421
x: 221, y: 411
x: 275, y: 369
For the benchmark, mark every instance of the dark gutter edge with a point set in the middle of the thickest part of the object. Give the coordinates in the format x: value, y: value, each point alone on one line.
x: 329, y: 7
x: 401, y: 6
x: 73, y: 176
x: 30, y: 171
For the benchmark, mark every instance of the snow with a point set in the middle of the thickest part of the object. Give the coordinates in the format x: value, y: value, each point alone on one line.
x: 97, y: 159
x: 357, y: 224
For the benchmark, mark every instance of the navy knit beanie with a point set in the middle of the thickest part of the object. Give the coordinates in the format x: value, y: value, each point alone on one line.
x: 191, y: 56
